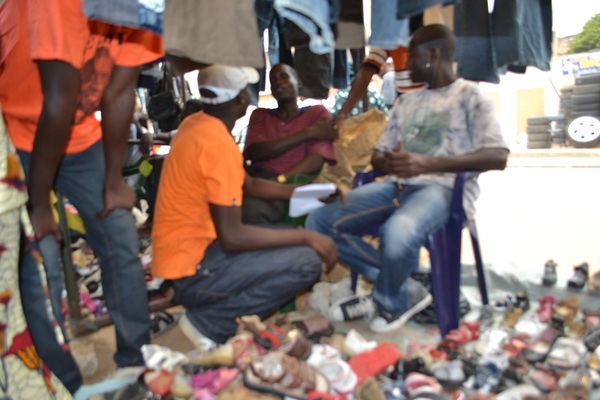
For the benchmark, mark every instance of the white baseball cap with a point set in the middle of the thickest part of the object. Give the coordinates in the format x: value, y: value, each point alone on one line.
x: 225, y: 81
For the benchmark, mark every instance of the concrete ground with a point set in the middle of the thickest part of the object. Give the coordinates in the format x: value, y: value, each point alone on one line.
x: 543, y: 206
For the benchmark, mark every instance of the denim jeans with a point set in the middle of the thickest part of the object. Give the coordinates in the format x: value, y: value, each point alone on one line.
x: 408, y: 214
x: 387, y: 31
x: 230, y: 285
x: 114, y: 238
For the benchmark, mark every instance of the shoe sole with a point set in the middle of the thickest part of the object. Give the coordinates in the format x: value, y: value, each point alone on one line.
x: 403, y: 319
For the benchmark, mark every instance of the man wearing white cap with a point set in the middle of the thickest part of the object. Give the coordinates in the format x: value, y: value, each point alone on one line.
x: 220, y: 268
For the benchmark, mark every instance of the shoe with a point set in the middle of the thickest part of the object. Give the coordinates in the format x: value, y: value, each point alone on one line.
x: 504, y: 303
x: 580, y: 276
x: 549, y: 277
x: 198, y: 339
x: 351, y: 308
x: 522, y: 301
x: 419, y: 298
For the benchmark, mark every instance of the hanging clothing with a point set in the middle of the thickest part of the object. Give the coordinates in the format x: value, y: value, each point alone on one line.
x: 207, y: 31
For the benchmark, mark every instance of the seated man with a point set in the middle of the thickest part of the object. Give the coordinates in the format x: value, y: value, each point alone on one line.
x: 432, y: 133
x: 287, y: 143
x: 220, y: 268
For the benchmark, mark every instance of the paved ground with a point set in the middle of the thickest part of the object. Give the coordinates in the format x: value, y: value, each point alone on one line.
x: 544, y: 205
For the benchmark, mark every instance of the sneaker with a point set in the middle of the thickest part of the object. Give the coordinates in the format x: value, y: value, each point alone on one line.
x: 419, y: 298
x: 198, y: 339
x: 351, y: 308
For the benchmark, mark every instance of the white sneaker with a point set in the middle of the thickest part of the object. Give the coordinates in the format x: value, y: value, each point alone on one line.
x: 351, y: 308
x: 419, y: 298
x: 197, y: 338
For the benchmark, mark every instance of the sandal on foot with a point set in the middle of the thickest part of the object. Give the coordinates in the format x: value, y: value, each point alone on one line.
x: 280, y: 374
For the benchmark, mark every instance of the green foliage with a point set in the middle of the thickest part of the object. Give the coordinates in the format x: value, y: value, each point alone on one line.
x: 588, y: 39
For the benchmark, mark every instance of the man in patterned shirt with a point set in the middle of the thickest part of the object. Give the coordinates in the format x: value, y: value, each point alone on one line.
x: 432, y: 134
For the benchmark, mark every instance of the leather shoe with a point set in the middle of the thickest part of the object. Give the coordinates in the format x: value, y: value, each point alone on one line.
x: 579, y: 277
x: 549, y: 277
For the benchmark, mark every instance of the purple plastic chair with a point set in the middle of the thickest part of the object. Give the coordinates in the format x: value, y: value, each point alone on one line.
x: 444, y: 246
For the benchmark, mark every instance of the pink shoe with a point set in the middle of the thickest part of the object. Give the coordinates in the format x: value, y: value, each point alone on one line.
x: 546, y: 308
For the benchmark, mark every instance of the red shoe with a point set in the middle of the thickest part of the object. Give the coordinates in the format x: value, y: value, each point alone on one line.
x: 546, y: 308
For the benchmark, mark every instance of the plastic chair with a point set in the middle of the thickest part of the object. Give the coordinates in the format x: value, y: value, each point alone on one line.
x: 444, y: 246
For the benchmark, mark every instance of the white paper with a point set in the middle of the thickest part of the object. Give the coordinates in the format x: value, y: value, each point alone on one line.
x: 306, y: 198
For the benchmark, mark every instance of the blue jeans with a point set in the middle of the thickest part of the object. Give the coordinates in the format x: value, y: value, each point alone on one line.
x: 387, y: 31
x: 230, y: 285
x: 80, y: 178
x: 408, y: 214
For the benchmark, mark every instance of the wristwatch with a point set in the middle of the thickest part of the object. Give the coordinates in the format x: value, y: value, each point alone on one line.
x: 281, y: 178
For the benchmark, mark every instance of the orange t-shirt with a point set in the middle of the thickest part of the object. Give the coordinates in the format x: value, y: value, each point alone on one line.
x: 204, y: 166
x: 33, y: 30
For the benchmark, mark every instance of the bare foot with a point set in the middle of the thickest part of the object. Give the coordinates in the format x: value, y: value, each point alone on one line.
x: 43, y: 222
x: 121, y: 196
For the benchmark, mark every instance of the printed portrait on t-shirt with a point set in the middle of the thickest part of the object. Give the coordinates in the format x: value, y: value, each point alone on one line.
x: 95, y: 75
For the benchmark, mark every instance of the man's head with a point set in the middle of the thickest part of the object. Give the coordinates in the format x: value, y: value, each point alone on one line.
x: 284, y: 83
x: 430, y: 51
x: 224, y: 86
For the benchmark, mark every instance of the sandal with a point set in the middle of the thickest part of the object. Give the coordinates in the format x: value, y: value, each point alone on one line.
x: 467, y: 332
x: 567, y: 353
x: 594, y: 282
x: 282, y: 375
x: 373, y: 362
x: 160, y: 322
x: 314, y: 327
x: 580, y: 276
x: 546, y: 308
x: 567, y: 308
x: 538, y: 349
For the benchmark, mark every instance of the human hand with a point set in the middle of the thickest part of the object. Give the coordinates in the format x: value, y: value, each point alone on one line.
x: 338, y: 194
x: 405, y: 164
x: 338, y: 122
x: 322, y: 130
x: 43, y: 222
x: 324, y: 246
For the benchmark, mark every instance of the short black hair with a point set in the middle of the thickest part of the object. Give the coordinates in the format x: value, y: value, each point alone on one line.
x: 436, y: 35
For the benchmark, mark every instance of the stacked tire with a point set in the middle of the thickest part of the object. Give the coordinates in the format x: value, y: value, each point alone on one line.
x: 565, y: 106
x: 538, y: 133
x: 582, y: 128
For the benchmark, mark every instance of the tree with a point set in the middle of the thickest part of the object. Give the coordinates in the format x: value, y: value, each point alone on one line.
x: 588, y: 39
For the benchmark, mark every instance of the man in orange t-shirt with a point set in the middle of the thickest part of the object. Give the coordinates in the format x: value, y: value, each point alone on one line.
x: 221, y: 268
x: 56, y: 69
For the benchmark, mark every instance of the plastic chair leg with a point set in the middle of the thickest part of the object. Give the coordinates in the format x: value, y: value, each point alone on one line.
x: 478, y: 262
x: 444, y: 251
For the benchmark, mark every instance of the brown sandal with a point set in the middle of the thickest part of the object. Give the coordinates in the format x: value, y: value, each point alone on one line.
x: 280, y: 374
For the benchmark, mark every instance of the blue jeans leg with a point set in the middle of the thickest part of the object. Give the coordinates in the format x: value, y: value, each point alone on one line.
x: 229, y: 285
x: 114, y: 239
x: 59, y: 360
x: 422, y: 210
x: 364, y: 207
x: 408, y: 215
